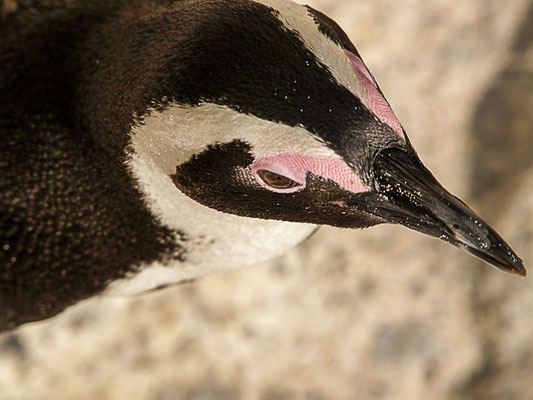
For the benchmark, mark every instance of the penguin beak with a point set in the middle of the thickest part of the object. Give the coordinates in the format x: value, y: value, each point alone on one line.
x: 407, y: 193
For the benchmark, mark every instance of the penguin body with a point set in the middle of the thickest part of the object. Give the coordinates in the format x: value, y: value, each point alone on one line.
x: 148, y: 143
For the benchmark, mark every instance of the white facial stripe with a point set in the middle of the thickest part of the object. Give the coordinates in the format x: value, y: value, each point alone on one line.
x: 296, y: 18
x: 169, y: 138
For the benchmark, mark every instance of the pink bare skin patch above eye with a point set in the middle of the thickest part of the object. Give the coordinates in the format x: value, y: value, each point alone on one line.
x: 297, y: 166
x: 374, y: 100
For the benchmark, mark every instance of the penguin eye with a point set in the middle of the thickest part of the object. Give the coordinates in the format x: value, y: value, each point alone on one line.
x: 277, y: 181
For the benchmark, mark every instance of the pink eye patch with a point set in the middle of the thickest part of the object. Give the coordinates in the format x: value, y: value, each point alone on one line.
x: 297, y: 166
x: 372, y: 98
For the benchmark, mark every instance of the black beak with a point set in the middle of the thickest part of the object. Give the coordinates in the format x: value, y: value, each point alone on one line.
x: 408, y: 194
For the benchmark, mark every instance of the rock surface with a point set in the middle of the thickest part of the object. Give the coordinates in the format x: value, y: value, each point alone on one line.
x: 378, y: 314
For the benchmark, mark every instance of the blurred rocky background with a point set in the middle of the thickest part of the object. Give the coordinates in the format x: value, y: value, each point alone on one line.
x: 384, y: 313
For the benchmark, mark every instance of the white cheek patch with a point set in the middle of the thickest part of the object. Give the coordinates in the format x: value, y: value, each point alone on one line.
x: 372, y: 98
x: 297, y: 166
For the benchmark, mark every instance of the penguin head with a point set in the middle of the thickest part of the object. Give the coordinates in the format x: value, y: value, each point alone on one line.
x: 265, y: 109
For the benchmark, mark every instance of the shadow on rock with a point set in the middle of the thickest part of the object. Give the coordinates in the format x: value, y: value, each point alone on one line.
x: 502, y: 126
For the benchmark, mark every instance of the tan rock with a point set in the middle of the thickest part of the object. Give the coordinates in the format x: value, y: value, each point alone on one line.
x: 379, y: 314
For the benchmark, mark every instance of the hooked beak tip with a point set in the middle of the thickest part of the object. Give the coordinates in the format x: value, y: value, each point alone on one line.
x: 519, y: 270
x: 501, y: 257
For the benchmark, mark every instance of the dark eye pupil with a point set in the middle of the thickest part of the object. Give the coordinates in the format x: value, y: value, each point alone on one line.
x: 276, y: 180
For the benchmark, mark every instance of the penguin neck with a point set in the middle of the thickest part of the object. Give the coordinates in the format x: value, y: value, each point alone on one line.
x: 218, y: 242
x: 213, y: 241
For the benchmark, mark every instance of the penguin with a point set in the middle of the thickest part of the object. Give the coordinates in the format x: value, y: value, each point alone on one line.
x: 149, y: 143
